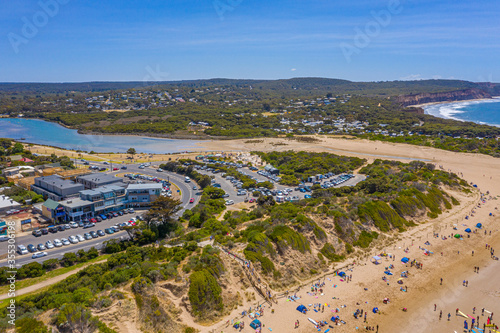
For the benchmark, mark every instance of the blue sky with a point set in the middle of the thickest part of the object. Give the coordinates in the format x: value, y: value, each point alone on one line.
x: 364, y: 40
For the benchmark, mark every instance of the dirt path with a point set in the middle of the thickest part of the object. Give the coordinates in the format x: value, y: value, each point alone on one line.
x: 48, y: 282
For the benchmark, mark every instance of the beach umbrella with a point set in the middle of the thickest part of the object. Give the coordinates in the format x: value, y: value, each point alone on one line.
x: 479, y: 225
x: 375, y: 310
x: 465, y: 325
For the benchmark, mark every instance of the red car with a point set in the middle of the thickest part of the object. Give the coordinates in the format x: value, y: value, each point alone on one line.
x: 251, y: 200
x: 115, y: 169
x: 131, y: 222
x: 191, y: 200
x: 93, y: 220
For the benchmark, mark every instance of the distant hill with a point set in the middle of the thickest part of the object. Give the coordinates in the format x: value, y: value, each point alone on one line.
x: 288, y: 87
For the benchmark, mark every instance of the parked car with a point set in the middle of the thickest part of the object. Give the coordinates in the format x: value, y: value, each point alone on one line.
x: 37, y: 233
x: 80, y: 238
x: 73, y: 225
x: 44, y: 231
x: 61, y: 227
x: 87, y: 236
x: 120, y: 213
x: 39, y: 255
x: 49, y: 245
x: 67, y: 226
x: 89, y: 225
x: 131, y: 210
x: 4, y: 238
x: 109, y: 215
x: 103, y: 217
x: 115, y: 214
x: 93, y: 220
x: 57, y: 243
x: 32, y: 248
x: 73, y: 239
x: 100, y: 233
x: 98, y: 219
x: 191, y: 200
x: 21, y: 249
x: 81, y: 224
x: 93, y: 234
x: 65, y: 241
x: 124, y: 167
x: 115, y: 169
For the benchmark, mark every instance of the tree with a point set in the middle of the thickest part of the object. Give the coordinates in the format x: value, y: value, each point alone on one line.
x: 131, y: 151
x: 77, y: 318
x: 161, y: 215
x: 30, y: 325
x: 18, y: 148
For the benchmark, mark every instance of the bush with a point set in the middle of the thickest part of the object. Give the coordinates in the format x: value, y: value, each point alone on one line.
x: 204, y: 293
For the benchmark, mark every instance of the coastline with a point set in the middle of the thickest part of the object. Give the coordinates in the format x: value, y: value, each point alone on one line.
x: 451, y: 102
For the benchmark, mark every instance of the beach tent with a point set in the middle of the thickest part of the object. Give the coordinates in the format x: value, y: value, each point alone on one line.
x: 375, y: 310
x: 375, y: 260
x: 468, y: 230
x: 255, y: 324
x: 388, y: 272
x: 342, y: 274
x: 405, y: 260
x: 457, y: 236
x: 479, y: 225
x: 301, y: 308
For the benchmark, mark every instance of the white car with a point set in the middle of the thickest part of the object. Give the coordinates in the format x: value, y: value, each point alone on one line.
x: 4, y: 238
x: 38, y: 255
x: 73, y: 240
x: 49, y: 245
x: 229, y: 202
x: 57, y: 243
x: 65, y: 241
x: 80, y: 238
x: 73, y: 225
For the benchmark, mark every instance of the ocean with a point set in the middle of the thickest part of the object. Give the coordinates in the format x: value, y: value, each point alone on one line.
x: 480, y: 111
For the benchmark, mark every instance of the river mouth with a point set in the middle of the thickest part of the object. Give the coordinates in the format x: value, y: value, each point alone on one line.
x: 51, y: 134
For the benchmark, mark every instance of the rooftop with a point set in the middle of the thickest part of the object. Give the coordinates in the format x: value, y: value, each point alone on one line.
x: 58, y: 181
x: 144, y: 186
x: 6, y: 202
x: 100, y: 178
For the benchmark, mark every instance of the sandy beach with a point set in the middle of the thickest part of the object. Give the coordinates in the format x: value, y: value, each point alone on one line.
x: 455, y: 265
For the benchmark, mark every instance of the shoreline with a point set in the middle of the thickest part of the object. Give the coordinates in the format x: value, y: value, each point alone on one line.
x: 451, y: 102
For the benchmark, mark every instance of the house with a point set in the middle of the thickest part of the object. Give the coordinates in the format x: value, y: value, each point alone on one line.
x: 7, y: 204
x: 54, y: 211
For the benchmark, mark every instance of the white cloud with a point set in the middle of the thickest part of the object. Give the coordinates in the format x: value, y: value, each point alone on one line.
x: 293, y: 69
x: 412, y: 77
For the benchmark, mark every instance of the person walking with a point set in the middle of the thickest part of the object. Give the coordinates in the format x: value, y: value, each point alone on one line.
x: 440, y: 314
x: 435, y: 306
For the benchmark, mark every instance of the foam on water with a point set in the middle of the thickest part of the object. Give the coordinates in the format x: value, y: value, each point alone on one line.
x: 480, y: 111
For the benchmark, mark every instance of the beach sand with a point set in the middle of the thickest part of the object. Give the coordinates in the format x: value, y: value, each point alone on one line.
x: 424, y: 289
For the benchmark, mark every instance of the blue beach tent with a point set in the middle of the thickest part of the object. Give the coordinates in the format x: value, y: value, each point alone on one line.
x: 405, y: 260
x: 468, y: 230
x: 301, y: 308
x: 479, y: 225
x: 255, y: 324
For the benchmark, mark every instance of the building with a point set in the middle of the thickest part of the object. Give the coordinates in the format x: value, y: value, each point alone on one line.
x: 18, y: 171
x: 140, y: 195
x: 7, y: 204
x: 95, y: 180
x: 56, y: 188
x: 54, y: 211
x: 101, y: 200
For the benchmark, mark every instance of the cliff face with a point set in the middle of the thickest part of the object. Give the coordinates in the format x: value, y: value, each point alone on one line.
x: 451, y: 96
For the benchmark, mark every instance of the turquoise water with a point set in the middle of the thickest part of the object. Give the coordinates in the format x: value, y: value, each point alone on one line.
x: 482, y: 112
x: 51, y: 134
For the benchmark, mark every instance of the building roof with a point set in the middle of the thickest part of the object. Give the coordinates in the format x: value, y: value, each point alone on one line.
x: 51, y: 204
x: 58, y: 181
x: 100, y: 178
x: 102, y: 189
x: 76, y: 202
x: 6, y: 202
x: 144, y: 186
